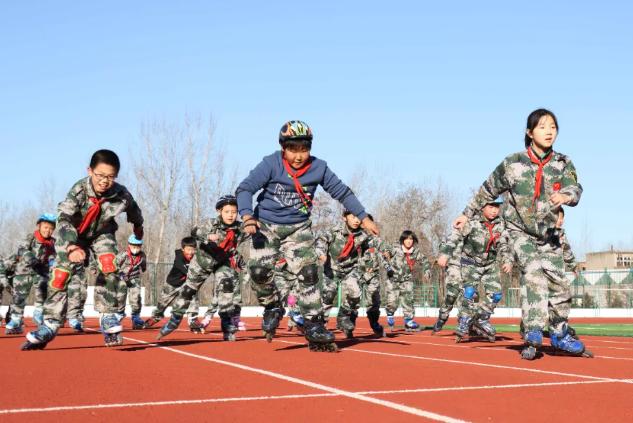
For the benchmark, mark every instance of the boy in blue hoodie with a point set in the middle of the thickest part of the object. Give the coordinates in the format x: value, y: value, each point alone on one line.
x: 280, y: 226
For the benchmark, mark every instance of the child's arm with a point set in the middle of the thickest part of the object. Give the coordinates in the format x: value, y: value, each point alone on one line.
x: 256, y: 180
x: 143, y: 263
x: 135, y: 216
x: 496, y: 184
x: 568, y: 254
x: 322, y: 245
x: 24, y: 252
x: 67, y: 233
x: 505, y: 251
x: 425, y: 265
x: 570, y: 186
x: 453, y: 243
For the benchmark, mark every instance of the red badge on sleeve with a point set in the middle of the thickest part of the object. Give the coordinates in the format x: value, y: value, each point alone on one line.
x: 557, y: 186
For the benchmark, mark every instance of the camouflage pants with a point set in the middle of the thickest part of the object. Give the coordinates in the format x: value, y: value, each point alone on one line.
x: 227, y: 292
x: 77, y: 295
x: 350, y: 291
x: 488, y: 276
x: 202, y: 266
x: 168, y: 295
x: 545, y: 292
x: 400, y: 293
x: 22, y: 288
x: 370, y: 285
x: 453, y: 284
x: 124, y: 288
x: 56, y: 304
x: 295, y: 243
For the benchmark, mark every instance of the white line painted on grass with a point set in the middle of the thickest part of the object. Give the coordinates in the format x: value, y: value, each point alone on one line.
x: 280, y: 397
x: 388, y: 404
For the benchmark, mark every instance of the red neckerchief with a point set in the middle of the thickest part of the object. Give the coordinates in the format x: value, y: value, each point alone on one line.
x: 295, y: 175
x: 49, y: 245
x: 407, y: 256
x: 134, y: 259
x: 229, y: 241
x: 539, y: 173
x: 493, y: 237
x: 91, y: 216
x: 349, y: 246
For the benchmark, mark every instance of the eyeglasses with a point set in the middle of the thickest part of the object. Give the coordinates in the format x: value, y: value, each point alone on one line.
x: 101, y: 177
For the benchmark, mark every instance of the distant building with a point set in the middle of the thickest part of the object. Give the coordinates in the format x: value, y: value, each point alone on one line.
x: 612, y: 259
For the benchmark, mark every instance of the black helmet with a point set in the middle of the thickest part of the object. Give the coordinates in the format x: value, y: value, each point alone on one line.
x: 295, y: 130
x: 226, y: 200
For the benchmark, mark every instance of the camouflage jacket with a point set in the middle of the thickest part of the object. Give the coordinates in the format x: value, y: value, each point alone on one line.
x: 474, y: 244
x: 515, y: 179
x: 372, y: 258
x: 405, y: 263
x: 72, y: 210
x: 331, y: 244
x: 130, y: 267
x: 34, y: 256
x: 224, y: 250
x: 7, y: 269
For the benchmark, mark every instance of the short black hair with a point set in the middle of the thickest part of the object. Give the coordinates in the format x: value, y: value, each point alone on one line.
x: 370, y: 217
x: 346, y: 213
x: 408, y: 234
x: 297, y: 143
x: 188, y: 241
x: 108, y: 157
x: 534, y: 118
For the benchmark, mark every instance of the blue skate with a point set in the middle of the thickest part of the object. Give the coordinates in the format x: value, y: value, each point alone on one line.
x: 171, y: 325
x: 533, y: 341
x: 564, y: 342
x: 137, y: 322
x: 483, y: 327
x: 270, y: 321
x: 411, y: 325
x: 38, y: 316
x: 463, y: 328
x: 14, y: 327
x: 373, y: 316
x: 111, y: 329
x: 76, y: 325
x: 318, y: 337
x: 38, y: 339
x: 390, y: 322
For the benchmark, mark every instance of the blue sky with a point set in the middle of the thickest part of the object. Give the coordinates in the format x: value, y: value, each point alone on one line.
x: 421, y: 90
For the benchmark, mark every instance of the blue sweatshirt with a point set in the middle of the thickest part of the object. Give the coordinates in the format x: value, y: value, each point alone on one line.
x: 279, y: 202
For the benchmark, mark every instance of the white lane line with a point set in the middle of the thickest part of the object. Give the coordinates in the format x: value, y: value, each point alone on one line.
x: 388, y: 404
x: 475, y: 363
x: 283, y: 397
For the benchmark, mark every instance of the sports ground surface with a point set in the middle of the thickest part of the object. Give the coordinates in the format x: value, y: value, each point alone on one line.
x: 403, y: 377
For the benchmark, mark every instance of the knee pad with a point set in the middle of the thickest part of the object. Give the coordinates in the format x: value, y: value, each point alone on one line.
x: 329, y: 297
x: 107, y: 263
x: 470, y: 292
x: 227, y: 285
x: 188, y: 292
x: 260, y: 274
x: 353, y: 303
x: 309, y: 275
x: 450, y: 300
x: 59, y: 278
x: 496, y: 297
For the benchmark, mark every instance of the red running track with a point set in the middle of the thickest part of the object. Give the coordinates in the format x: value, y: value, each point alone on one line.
x: 403, y: 377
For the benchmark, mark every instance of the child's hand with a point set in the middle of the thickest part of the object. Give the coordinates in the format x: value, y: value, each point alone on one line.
x: 507, y: 268
x: 214, y: 237
x: 460, y: 222
x: 442, y: 260
x: 370, y: 226
x: 250, y: 225
x: 557, y: 199
x: 76, y: 254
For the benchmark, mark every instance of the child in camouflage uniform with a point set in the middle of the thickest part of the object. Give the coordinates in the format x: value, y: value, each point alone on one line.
x: 281, y: 226
x: 34, y: 256
x: 131, y: 263
x: 175, y: 279
x: 339, y: 250
x: 400, y: 286
x: 216, y: 255
x: 7, y: 271
x: 86, y: 224
x: 472, y: 252
x: 536, y: 183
